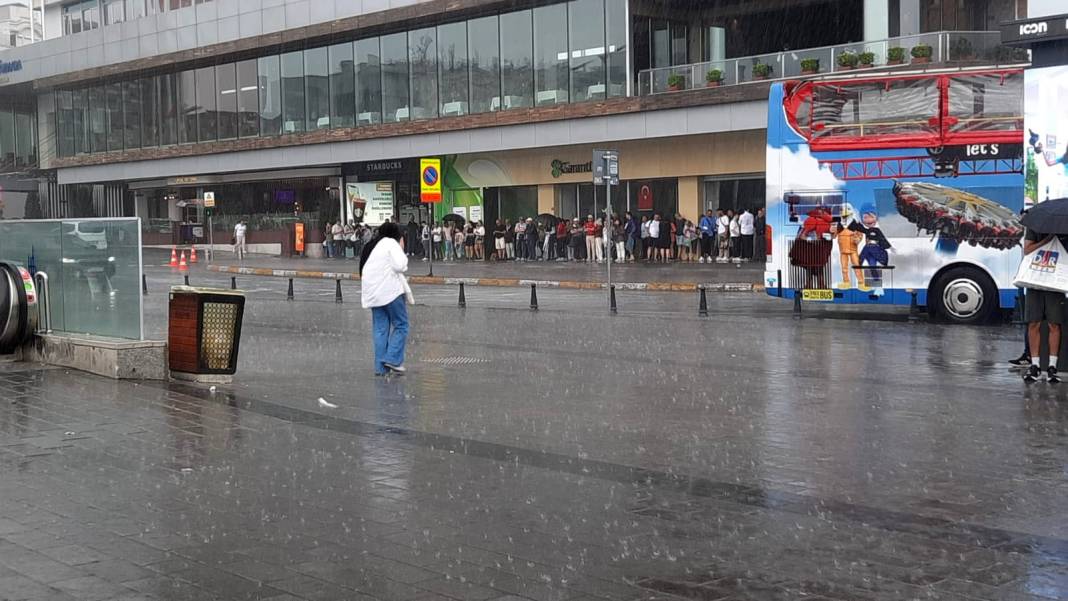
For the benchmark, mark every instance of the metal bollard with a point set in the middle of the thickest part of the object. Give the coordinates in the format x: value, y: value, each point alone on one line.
x: 233, y: 283
x: 1018, y: 308
x: 533, y: 297
x: 463, y: 299
x: 914, y: 307
x: 289, y: 293
x: 612, y: 299
x: 797, y: 303
x: 702, y: 307
x: 144, y: 284
x: 186, y: 278
x: 337, y: 292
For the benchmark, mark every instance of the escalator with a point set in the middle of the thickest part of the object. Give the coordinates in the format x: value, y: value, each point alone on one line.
x: 18, y: 307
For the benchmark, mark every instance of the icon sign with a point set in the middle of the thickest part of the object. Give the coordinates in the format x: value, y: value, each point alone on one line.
x: 430, y: 180
x: 209, y: 200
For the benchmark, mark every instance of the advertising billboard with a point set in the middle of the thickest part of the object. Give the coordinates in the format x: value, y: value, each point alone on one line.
x: 1046, y: 138
x: 373, y: 199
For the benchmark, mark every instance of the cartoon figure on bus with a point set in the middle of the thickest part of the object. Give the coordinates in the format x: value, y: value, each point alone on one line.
x: 875, y: 250
x: 812, y: 249
x: 848, y: 250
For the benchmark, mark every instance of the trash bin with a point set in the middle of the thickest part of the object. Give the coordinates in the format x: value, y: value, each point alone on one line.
x: 204, y: 333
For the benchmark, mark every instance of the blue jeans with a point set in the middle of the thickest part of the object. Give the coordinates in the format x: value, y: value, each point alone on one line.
x: 389, y: 345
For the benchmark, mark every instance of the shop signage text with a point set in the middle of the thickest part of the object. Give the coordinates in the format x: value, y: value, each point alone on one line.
x: 1049, y: 28
x: 10, y: 66
x: 561, y: 167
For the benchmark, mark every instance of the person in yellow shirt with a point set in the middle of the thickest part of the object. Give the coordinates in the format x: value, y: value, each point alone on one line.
x: 849, y: 256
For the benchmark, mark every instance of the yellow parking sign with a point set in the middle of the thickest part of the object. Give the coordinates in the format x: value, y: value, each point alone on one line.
x: 430, y: 180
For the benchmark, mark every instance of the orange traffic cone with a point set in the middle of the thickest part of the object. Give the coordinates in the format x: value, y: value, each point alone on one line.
x: 193, y: 254
x: 182, y: 265
x: 174, y: 257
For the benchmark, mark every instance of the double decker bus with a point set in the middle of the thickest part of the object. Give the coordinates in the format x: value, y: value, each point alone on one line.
x: 881, y: 189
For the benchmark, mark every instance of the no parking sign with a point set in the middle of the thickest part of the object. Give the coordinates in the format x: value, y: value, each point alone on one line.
x: 430, y: 180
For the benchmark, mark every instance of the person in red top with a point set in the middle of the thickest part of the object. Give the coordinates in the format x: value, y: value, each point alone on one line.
x: 561, y: 240
x: 590, y: 227
x: 817, y: 225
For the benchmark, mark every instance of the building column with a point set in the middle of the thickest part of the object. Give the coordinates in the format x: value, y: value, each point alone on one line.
x: 690, y: 198
x: 546, y: 198
x: 876, y: 19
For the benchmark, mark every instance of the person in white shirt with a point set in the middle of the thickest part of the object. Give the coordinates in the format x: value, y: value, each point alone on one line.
x: 654, y: 239
x: 384, y: 290
x: 736, y: 237
x: 745, y: 225
x: 240, y: 247
x: 723, y: 224
x: 338, y: 236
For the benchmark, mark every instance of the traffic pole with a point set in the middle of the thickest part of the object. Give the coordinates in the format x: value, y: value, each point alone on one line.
x: 612, y: 299
x: 337, y: 292
x: 233, y: 282
x: 186, y: 279
x: 702, y: 307
x: 289, y: 292
x: 533, y: 297
x: 463, y: 299
x: 144, y: 285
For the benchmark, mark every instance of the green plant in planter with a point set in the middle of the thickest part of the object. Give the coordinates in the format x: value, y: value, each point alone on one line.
x: 961, y: 49
x: 866, y: 59
x: 921, y: 52
x: 714, y: 76
x: 762, y: 70
x: 895, y: 55
x: 675, y: 81
x: 847, y: 60
x: 810, y: 65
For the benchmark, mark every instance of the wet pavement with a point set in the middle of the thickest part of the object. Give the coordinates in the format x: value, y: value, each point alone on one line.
x: 742, y: 273
x: 559, y: 454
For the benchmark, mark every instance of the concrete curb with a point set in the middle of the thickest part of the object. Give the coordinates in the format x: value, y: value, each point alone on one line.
x: 496, y: 282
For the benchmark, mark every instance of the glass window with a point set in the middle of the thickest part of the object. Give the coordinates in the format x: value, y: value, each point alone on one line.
x: 206, y: 106
x: 149, y: 112
x: 317, y: 88
x: 168, y: 109
x: 226, y: 85
x: 135, y: 9
x: 368, y: 82
x: 113, y: 11
x: 293, y: 110
x: 484, y: 57
x: 72, y: 18
x: 270, y: 89
x: 116, y: 128
x: 7, y: 139
x: 248, y: 100
x: 90, y: 15
x: 453, y: 69
x: 586, y: 41
x: 25, y: 140
x: 616, y: 11
x: 64, y: 123
x: 550, y: 54
x: 423, y: 53
x: 131, y: 101
x: 80, y: 120
x: 342, y: 86
x: 187, y: 107
x: 517, y: 60
x: 98, y: 120
x: 395, y: 77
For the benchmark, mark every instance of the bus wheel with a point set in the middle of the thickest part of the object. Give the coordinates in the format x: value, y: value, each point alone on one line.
x: 964, y: 295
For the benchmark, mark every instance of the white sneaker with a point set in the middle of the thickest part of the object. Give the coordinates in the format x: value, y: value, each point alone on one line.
x: 701, y: 260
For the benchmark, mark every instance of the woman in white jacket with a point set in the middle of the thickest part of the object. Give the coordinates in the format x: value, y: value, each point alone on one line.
x: 385, y: 291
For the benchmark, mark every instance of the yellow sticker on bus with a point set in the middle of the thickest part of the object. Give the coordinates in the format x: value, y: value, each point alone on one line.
x: 817, y: 294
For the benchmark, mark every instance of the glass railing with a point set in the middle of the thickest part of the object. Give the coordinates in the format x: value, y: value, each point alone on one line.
x: 94, y: 271
x: 945, y: 47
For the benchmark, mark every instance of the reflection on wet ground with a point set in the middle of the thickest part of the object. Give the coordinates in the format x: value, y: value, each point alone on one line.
x: 565, y: 454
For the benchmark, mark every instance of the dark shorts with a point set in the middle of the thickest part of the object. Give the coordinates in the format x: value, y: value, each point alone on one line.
x: 1043, y: 305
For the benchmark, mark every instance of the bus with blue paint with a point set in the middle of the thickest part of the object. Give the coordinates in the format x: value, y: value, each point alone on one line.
x: 892, y: 188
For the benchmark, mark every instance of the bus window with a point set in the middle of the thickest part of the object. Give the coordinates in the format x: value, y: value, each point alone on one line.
x: 986, y: 102
x: 842, y: 111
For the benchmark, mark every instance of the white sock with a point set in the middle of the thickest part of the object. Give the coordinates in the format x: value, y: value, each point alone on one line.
x: 1053, y: 361
x: 1036, y: 361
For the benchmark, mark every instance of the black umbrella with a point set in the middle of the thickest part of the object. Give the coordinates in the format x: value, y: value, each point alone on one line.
x: 548, y: 218
x: 1048, y: 217
x: 454, y: 217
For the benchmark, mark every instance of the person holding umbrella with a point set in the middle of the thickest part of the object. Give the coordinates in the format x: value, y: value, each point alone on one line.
x: 1046, y: 223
